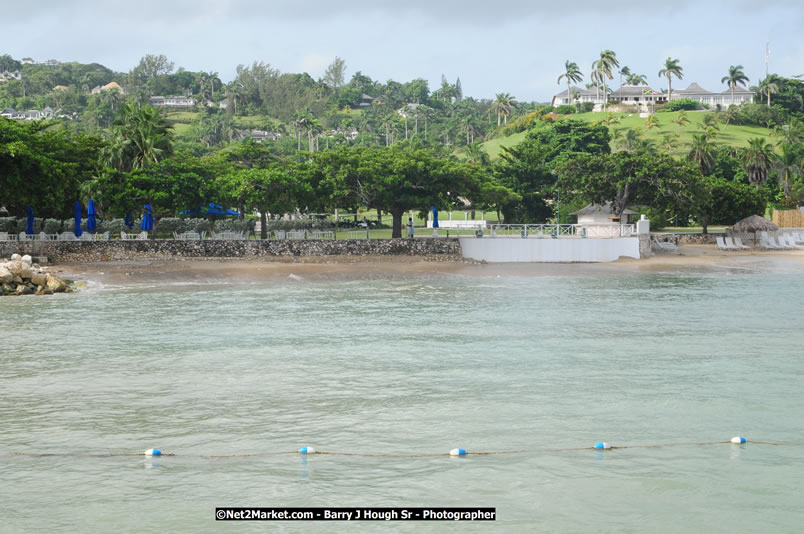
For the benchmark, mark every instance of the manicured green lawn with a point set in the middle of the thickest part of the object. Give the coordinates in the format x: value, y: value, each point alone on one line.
x: 731, y: 135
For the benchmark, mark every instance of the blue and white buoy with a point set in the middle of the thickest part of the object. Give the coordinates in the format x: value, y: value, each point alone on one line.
x: 307, y: 450
x: 602, y: 445
x: 457, y: 452
x: 153, y: 452
x: 739, y: 440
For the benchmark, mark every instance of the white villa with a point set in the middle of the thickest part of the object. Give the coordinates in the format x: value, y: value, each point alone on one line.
x: 724, y: 99
x: 647, y: 98
x: 595, y: 214
x: 172, y: 101
x: 7, y: 76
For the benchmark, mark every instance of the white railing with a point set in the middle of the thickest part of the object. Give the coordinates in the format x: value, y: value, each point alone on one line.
x: 562, y: 230
x: 322, y: 234
x: 357, y: 234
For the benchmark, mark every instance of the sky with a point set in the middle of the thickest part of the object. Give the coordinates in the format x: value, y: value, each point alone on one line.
x: 518, y: 46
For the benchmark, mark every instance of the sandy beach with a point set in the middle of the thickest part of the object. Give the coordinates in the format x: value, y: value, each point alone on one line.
x: 692, y: 257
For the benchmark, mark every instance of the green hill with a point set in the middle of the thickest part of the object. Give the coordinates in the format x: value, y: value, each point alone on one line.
x: 732, y: 135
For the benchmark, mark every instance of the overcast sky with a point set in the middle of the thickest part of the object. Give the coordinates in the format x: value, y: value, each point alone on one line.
x: 516, y: 46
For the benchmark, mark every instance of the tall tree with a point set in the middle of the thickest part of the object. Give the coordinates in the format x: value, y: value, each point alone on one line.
x: 605, y: 67
x: 735, y: 77
x: 335, y: 73
x: 767, y: 87
x: 139, y: 137
x: 504, y: 105
x: 572, y: 74
x: 671, y: 68
x: 757, y: 160
x: 702, y: 153
x: 625, y: 71
x: 681, y: 120
x: 787, y: 165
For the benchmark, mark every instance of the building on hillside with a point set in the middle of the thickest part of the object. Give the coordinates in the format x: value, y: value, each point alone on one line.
x: 602, y: 214
x: 367, y: 100
x: 108, y: 87
x: 28, y: 61
x: 642, y: 96
x: 7, y: 76
x: 9, y: 113
x: 713, y: 100
x: 579, y: 96
x: 51, y: 63
x: 259, y: 135
x: 172, y: 101
x: 60, y: 88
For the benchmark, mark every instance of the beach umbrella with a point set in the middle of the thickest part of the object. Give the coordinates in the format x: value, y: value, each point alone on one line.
x: 91, y: 213
x: 214, y: 209
x: 754, y: 224
x: 435, y: 217
x: 29, y: 227
x: 147, y: 219
x: 128, y: 222
x: 231, y: 212
x: 78, y: 212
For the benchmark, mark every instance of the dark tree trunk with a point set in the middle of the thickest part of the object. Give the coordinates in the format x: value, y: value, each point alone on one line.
x: 263, y: 225
x: 396, y: 214
x: 379, y: 216
x: 242, y: 211
x: 705, y: 224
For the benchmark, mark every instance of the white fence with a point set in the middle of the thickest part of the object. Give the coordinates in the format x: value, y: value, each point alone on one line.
x: 556, y: 231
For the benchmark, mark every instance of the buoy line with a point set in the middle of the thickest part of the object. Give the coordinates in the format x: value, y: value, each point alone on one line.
x: 457, y: 452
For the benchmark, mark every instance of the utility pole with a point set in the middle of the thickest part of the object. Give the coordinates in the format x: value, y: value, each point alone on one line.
x: 767, y: 53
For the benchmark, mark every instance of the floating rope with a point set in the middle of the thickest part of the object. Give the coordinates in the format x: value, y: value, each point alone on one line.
x: 737, y: 440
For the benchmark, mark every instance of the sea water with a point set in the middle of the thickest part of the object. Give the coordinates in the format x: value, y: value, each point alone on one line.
x: 409, y: 364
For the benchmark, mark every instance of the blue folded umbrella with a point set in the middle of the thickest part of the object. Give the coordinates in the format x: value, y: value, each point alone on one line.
x: 435, y: 217
x: 78, y: 213
x: 91, y: 213
x: 128, y: 222
x: 147, y: 219
x: 231, y: 212
x: 29, y: 227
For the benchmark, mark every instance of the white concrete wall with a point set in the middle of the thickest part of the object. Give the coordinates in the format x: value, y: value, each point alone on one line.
x: 565, y: 250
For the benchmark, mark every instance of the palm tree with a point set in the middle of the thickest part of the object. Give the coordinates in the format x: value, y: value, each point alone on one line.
x: 757, y: 160
x: 625, y: 71
x: 477, y: 155
x: 604, y: 66
x: 791, y: 133
x: 572, y: 74
x: 787, y: 165
x: 651, y: 122
x: 671, y: 68
x: 611, y: 119
x: 702, y: 152
x: 139, y: 138
x: 734, y: 77
x: 681, y: 120
x: 636, y: 79
x: 767, y: 87
x: 504, y: 104
x: 631, y: 140
x: 669, y: 141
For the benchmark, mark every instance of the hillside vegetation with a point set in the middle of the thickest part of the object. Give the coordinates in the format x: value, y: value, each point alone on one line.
x: 735, y: 135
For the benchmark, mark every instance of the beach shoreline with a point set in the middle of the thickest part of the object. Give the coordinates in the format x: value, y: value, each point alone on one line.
x: 228, y: 270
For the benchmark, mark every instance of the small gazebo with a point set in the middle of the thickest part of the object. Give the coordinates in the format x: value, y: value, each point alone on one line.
x: 753, y: 225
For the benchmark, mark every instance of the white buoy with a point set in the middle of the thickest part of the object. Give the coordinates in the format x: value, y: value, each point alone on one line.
x: 602, y: 445
x: 307, y: 450
x: 457, y: 452
x: 738, y: 440
x: 153, y: 452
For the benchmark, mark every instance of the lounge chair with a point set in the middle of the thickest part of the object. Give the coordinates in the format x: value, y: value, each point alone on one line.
x: 721, y: 244
x: 665, y: 246
x: 732, y: 244
x: 787, y: 239
x: 738, y: 242
x: 780, y: 242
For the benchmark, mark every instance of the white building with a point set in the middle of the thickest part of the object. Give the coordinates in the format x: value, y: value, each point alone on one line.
x: 579, y: 96
x: 172, y: 101
x: 595, y: 214
x: 724, y: 99
x: 641, y: 96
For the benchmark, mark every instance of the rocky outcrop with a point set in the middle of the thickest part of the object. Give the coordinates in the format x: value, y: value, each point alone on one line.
x: 21, y: 276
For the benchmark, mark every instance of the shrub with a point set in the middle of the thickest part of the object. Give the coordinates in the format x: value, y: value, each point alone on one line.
x: 52, y: 226
x: 585, y: 107
x: 686, y: 104
x: 566, y: 109
x: 8, y: 224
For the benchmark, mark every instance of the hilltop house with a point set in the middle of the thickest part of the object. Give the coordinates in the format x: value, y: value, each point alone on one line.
x: 724, y: 99
x: 108, y: 87
x: 579, y: 96
x: 259, y: 135
x: 367, y: 100
x: 172, y: 101
x: 7, y: 76
x: 641, y: 96
x: 28, y: 61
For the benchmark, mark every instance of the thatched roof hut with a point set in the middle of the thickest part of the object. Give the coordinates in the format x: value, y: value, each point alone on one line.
x: 754, y: 224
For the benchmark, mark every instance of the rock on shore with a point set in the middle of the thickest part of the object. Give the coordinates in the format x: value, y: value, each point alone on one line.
x: 22, y: 277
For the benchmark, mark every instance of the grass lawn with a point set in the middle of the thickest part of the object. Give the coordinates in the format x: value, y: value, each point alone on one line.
x: 182, y: 115
x: 732, y: 135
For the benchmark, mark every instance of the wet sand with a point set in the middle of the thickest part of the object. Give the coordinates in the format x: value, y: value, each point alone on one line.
x: 689, y: 258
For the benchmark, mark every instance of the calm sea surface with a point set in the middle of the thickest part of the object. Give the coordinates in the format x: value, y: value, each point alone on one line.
x: 413, y: 363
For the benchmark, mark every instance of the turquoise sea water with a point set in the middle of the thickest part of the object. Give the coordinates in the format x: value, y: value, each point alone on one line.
x: 409, y: 363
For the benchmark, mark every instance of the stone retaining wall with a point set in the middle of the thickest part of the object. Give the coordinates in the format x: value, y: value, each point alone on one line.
x: 687, y: 238
x: 94, y: 251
